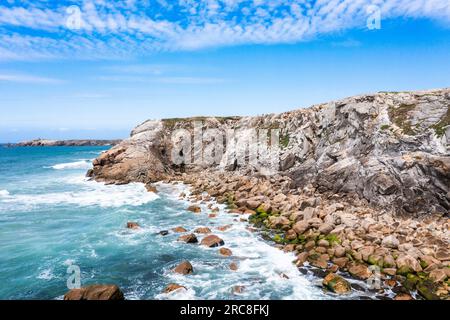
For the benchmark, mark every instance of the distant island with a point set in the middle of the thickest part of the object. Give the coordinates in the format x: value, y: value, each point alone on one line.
x: 66, y: 143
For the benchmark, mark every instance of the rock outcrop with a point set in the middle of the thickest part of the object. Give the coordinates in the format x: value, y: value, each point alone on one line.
x: 390, y: 149
x: 95, y: 292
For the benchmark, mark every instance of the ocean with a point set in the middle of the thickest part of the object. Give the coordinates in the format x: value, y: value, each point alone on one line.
x: 52, y: 218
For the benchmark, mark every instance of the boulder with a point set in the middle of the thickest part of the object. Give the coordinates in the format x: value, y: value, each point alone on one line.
x: 301, y: 227
x: 336, y: 284
x: 95, y: 292
x: 225, y: 252
x: 326, y: 228
x: 407, y: 264
x: 179, y: 230
x: 290, y: 235
x: 403, y: 297
x: 212, y: 241
x: 194, y: 208
x: 438, y: 275
x: 202, y: 230
x: 341, y: 262
x: 188, y: 238
x: 278, y: 222
x: 360, y: 271
x: 339, y: 251
x: 390, y: 242
x: 184, y: 268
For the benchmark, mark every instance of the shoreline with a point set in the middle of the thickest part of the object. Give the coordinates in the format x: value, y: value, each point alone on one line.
x: 338, y: 251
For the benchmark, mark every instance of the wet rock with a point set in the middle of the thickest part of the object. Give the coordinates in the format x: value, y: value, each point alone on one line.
x: 202, y: 230
x: 301, y: 259
x: 212, y: 241
x: 184, y: 268
x: 151, y: 188
x: 238, y: 289
x: 164, y: 232
x: 427, y: 289
x: 188, y: 238
x: 179, y: 230
x: 224, y: 228
x: 233, y: 266
x: 95, y: 292
x: 225, y: 252
x: 194, y: 208
x: 133, y: 225
x: 173, y: 287
x: 360, y: 271
x: 336, y: 284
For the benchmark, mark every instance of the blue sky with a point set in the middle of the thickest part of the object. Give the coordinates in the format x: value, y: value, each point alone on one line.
x: 97, y: 69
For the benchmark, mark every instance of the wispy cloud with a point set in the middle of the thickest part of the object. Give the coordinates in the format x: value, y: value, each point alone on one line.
x: 112, y: 29
x: 24, y: 78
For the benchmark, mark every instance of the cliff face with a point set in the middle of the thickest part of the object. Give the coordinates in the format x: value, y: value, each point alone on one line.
x: 388, y: 148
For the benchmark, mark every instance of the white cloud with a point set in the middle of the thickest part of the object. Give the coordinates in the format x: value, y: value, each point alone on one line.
x: 112, y: 29
x: 24, y: 78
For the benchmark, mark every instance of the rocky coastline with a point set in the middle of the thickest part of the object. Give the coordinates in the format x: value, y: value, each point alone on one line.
x: 362, y: 188
x: 65, y: 143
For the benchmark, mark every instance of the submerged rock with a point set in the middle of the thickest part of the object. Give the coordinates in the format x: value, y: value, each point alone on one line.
x: 173, y: 287
x: 133, y: 225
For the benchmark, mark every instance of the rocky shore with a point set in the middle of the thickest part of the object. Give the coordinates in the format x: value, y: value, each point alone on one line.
x: 362, y: 188
x: 66, y: 143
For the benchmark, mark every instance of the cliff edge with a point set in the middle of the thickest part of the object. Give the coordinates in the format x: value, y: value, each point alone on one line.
x: 389, y: 148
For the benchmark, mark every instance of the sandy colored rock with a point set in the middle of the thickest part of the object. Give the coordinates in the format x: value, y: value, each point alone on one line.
x: 225, y: 252
x: 188, y: 238
x: 202, y: 230
x: 95, y: 292
x: 184, y: 268
x: 212, y: 241
x: 336, y: 284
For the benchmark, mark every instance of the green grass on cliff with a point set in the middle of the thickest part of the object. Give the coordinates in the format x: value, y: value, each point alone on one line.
x: 442, y: 125
x: 171, y: 122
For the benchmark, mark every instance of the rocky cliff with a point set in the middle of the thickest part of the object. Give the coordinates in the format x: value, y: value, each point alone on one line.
x: 389, y: 148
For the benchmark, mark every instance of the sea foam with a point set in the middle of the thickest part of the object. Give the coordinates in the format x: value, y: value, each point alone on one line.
x: 89, y: 193
x: 82, y: 164
x: 4, y: 193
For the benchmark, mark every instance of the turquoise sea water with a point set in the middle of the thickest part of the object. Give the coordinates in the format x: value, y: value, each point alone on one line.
x: 52, y: 217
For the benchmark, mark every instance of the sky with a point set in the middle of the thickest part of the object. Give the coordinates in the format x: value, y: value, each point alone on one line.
x: 95, y: 69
